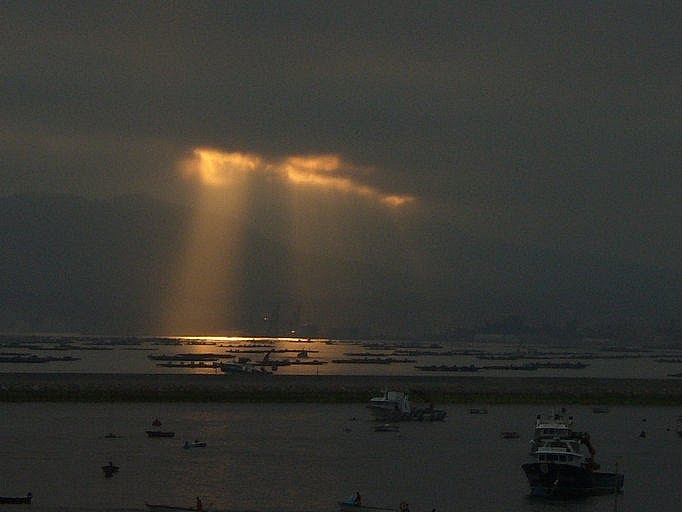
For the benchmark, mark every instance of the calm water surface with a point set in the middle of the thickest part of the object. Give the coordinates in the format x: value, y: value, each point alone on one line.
x: 305, y: 457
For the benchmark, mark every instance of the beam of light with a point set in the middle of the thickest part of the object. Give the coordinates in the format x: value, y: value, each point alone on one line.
x: 327, y: 171
x: 217, y: 168
x: 220, y: 269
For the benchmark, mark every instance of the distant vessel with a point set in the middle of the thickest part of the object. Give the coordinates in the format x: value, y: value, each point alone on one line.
x: 387, y: 427
x: 391, y: 403
x: 242, y: 367
x: 18, y: 500
x: 396, y: 406
x: 194, y: 444
x: 110, y: 469
x: 159, y: 433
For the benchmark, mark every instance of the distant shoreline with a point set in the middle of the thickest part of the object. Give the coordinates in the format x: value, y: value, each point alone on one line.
x: 69, y: 387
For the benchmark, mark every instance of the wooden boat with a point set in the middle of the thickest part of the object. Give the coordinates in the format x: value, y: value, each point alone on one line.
x: 162, y: 508
x: 194, y: 444
x: 345, y: 506
x: 387, y: 427
x: 478, y: 411
x: 16, y: 500
x: 159, y: 433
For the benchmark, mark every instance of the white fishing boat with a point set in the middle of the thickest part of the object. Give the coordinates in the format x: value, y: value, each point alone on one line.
x: 563, y: 468
x: 555, y: 426
x: 391, y: 403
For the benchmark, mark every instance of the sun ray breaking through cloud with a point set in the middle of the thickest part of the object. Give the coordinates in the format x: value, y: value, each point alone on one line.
x: 327, y: 171
x: 291, y: 201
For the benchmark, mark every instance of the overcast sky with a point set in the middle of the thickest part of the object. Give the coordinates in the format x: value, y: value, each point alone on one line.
x: 548, y: 124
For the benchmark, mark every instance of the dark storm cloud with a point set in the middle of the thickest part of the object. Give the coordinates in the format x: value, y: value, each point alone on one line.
x: 546, y: 124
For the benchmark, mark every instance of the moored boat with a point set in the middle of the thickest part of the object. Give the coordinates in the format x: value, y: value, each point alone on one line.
x: 353, y: 504
x: 110, y: 469
x: 159, y: 433
x: 393, y: 404
x: 169, y: 508
x: 350, y: 507
x: 562, y: 469
x: 551, y: 427
x: 16, y: 500
x: 162, y: 508
x: 194, y: 444
x: 387, y: 427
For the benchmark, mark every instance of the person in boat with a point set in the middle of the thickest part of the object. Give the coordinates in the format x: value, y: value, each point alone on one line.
x: 199, y: 504
x: 357, y: 500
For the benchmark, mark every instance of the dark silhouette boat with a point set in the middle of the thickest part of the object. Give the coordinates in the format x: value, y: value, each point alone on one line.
x: 562, y: 470
x: 171, y: 508
x: 159, y: 433
x: 16, y: 500
x: 110, y: 470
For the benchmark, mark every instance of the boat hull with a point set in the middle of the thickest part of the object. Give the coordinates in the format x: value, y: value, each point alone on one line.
x: 159, y: 433
x: 564, y: 480
x: 18, y: 500
x: 162, y: 508
x: 350, y: 507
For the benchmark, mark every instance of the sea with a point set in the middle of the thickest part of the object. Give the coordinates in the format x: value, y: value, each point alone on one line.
x: 265, y: 457
x: 307, y: 457
x: 496, y: 357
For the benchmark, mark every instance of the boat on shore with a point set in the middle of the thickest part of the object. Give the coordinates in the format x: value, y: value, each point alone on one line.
x: 16, y: 500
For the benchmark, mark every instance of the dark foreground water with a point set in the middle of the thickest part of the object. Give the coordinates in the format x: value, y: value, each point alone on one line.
x: 305, y: 457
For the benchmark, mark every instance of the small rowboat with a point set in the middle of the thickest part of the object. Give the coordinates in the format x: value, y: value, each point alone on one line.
x: 159, y: 433
x: 110, y: 470
x: 344, y: 506
x: 387, y: 427
x: 168, y: 508
x: 195, y: 444
x: 18, y: 500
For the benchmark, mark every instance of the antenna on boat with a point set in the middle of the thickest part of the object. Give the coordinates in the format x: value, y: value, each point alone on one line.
x: 615, y: 487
